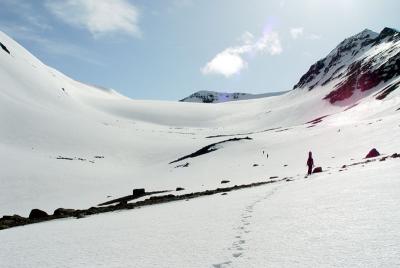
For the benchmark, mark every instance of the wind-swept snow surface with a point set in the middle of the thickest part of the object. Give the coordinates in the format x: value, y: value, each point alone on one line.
x: 347, y: 219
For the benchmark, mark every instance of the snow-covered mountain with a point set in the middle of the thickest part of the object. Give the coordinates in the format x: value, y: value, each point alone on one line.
x: 67, y: 144
x: 357, y: 65
x: 205, y: 96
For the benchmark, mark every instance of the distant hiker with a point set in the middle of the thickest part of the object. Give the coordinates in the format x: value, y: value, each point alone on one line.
x: 310, y: 163
x: 263, y: 152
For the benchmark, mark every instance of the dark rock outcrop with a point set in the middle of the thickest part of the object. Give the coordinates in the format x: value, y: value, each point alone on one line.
x: 224, y: 181
x: 37, y: 214
x: 4, y: 48
x: 63, y: 212
x: 179, y: 189
x: 208, y: 149
x: 317, y: 170
x: 387, y: 90
x: 147, y: 202
x: 11, y: 221
x: 138, y: 192
x: 373, y: 153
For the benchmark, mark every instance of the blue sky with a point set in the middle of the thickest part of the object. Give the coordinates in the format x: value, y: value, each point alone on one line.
x: 168, y: 49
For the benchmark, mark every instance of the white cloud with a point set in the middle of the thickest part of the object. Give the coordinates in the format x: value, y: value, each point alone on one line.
x: 296, y: 32
x: 300, y: 32
x: 226, y: 63
x: 231, y: 60
x: 98, y: 17
x: 247, y: 38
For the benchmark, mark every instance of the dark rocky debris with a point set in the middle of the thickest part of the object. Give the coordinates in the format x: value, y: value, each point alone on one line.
x: 13, y: 221
x: 387, y: 90
x: 317, y: 120
x: 183, y: 165
x: 4, y: 48
x: 63, y: 211
x: 64, y: 158
x: 225, y: 181
x: 136, y: 193
x: 208, y: 149
x: 76, y: 158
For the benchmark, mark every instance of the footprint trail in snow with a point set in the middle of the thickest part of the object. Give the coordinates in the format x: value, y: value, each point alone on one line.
x: 239, y: 245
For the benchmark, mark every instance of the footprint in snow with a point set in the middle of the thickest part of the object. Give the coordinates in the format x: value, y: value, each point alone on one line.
x: 222, y: 265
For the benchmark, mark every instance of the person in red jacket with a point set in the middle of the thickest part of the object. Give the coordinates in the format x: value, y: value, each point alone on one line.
x: 310, y: 163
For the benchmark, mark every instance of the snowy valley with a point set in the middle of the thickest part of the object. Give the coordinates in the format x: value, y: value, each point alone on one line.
x: 66, y: 144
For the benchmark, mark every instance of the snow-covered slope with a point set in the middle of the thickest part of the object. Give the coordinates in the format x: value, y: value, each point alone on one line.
x: 337, y: 219
x: 205, y: 96
x: 67, y: 144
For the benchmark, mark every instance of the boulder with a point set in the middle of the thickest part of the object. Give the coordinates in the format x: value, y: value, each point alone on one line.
x: 63, y: 212
x: 317, y: 170
x: 224, y: 181
x: 37, y: 214
x: 14, y: 220
x: 138, y: 192
x: 179, y: 189
x: 373, y: 153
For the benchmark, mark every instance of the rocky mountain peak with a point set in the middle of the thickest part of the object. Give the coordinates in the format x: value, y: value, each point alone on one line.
x: 359, y: 62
